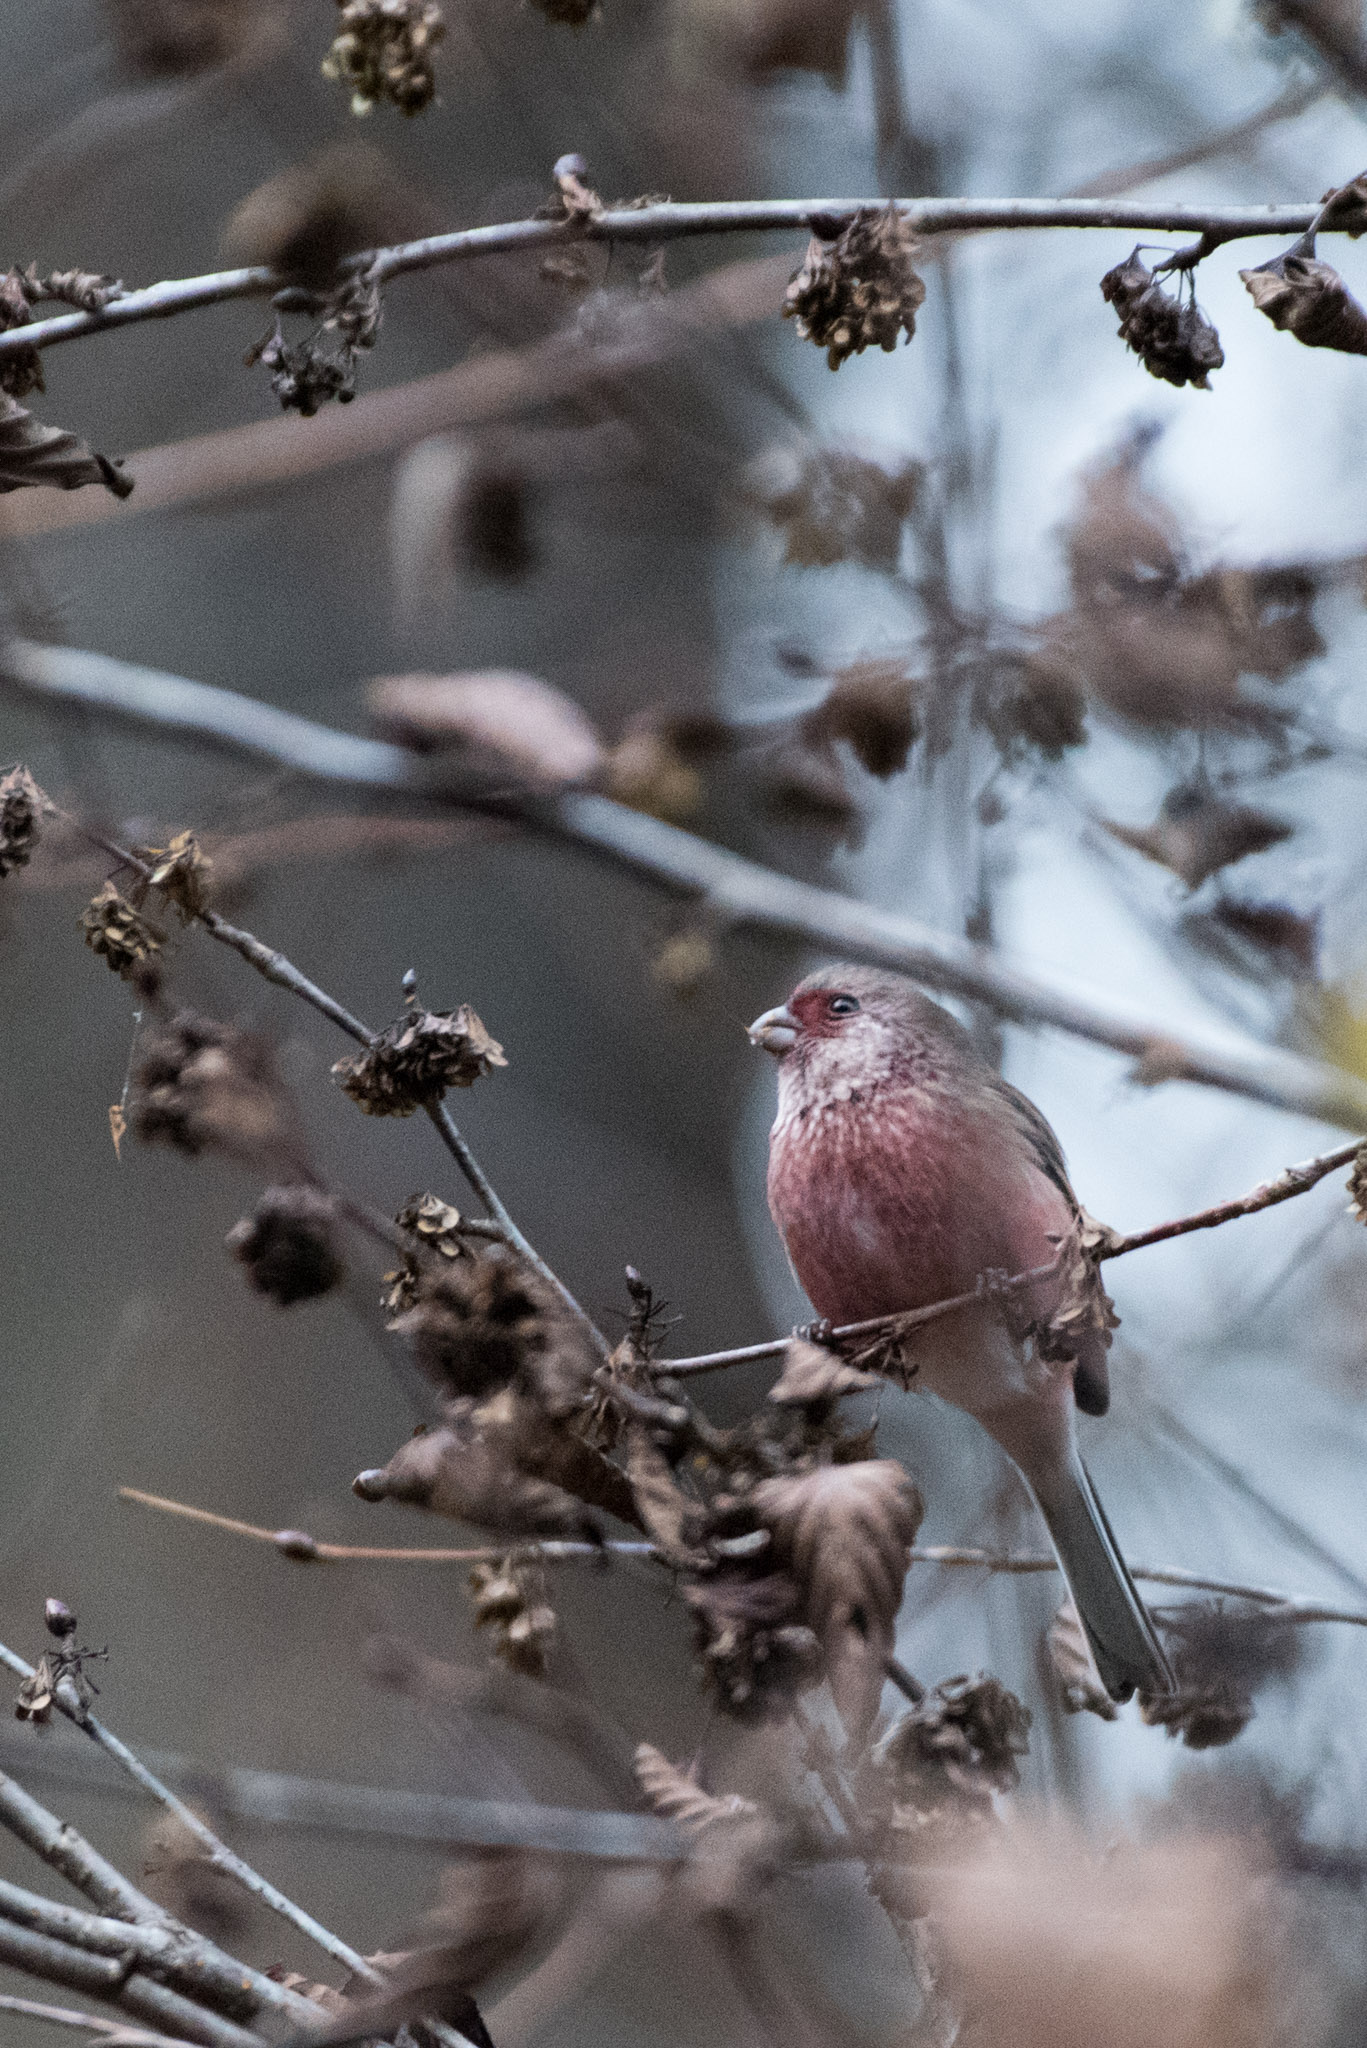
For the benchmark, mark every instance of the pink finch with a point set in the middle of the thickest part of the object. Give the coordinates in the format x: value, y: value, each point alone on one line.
x: 901, y: 1168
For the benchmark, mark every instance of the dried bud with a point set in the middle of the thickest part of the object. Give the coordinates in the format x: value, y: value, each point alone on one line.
x: 383, y: 51
x: 435, y: 1222
x: 872, y: 705
x: 859, y: 291
x: 955, y: 1748
x: 22, y: 805
x: 416, y: 1059
x: 510, y: 1600
x: 1171, y: 336
x: 833, y: 505
x: 288, y: 1245
x: 1310, y: 300
x: 647, y: 772
x: 181, y: 872
x: 757, y: 1654
x: 305, y: 221
x: 118, y: 933
x: 200, y: 1085
x: 59, y: 1619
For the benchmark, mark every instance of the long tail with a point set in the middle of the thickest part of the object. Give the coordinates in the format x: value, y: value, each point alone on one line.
x: 1128, y: 1654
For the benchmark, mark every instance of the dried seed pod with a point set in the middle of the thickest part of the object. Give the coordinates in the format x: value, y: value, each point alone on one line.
x: 416, y: 1059
x: 1309, y: 299
x: 859, y: 290
x: 510, y: 1600
x: 1171, y: 335
x: 118, y: 933
x: 383, y: 51
x: 22, y: 805
x: 289, y: 1245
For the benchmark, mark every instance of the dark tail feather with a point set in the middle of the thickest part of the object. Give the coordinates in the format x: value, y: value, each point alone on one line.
x: 1123, y: 1640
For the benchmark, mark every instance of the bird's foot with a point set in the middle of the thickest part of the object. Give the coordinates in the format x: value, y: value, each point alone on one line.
x: 822, y: 1331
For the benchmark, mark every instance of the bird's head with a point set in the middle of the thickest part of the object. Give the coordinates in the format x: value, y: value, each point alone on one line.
x: 855, y: 1021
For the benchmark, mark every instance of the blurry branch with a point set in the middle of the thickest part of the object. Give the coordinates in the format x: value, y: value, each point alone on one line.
x: 278, y: 1800
x: 113, y: 2033
x: 307, y: 1549
x: 1332, y: 32
x: 668, y: 223
x: 1293, y: 100
x: 738, y: 893
x: 294, y: 1544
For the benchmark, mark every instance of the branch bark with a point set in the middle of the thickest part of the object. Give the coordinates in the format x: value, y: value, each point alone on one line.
x: 738, y: 892
x: 669, y: 223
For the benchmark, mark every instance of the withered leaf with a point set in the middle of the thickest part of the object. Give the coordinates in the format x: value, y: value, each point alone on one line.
x: 664, y: 1508
x: 872, y: 705
x: 1072, y: 1660
x: 1196, y: 833
x: 845, y: 1533
x: 31, y: 453
x: 812, y: 1373
x: 673, y: 1793
x: 465, y: 1474
x: 1309, y: 299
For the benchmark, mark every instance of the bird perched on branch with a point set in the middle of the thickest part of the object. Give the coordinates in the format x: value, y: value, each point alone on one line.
x: 902, y: 1171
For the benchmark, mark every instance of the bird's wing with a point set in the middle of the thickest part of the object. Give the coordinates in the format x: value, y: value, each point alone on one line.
x: 1044, y: 1146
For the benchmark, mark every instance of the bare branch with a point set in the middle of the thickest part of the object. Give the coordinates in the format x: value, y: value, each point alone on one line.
x: 113, y: 2033
x: 668, y: 223
x: 740, y: 893
x: 1288, y: 1606
x: 1294, y: 1180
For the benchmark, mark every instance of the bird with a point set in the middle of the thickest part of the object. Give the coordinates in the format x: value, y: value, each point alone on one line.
x: 903, y: 1170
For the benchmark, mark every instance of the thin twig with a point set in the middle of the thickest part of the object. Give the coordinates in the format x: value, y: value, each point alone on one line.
x: 740, y: 893
x: 667, y: 223
x: 1288, y: 1606
x: 1294, y: 1180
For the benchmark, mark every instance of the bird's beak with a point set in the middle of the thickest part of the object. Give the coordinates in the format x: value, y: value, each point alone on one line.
x: 776, y: 1032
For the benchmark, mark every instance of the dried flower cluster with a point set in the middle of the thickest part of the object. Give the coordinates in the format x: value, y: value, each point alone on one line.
x: 833, y: 505
x: 59, y: 1679
x: 416, y: 1059
x: 1219, y: 1658
x: 383, y: 51
x: 311, y: 373
x: 1171, y: 335
x: 289, y: 1245
x: 436, y: 1227
x: 181, y: 871
x: 120, y: 934
x: 22, y: 807
x: 859, y: 290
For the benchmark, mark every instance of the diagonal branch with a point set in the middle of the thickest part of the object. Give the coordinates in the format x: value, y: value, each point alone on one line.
x: 668, y: 223
x: 739, y: 893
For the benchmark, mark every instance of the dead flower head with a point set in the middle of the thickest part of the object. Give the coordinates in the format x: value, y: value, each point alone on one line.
x: 490, y: 1322
x: 200, y: 1086
x: 181, y: 871
x: 1219, y: 1659
x: 510, y: 1601
x: 1310, y: 300
x: 954, y: 1749
x: 432, y: 1223
x: 1171, y: 335
x: 859, y: 288
x: 289, y: 1245
x: 757, y: 1652
x: 383, y: 51
x: 22, y: 806
x: 416, y: 1059
x: 118, y: 933
x: 833, y: 505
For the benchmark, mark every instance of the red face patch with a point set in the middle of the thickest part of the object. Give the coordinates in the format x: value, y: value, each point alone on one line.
x: 824, y: 1012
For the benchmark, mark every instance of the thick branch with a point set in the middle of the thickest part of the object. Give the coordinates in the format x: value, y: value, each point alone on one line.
x: 669, y: 223
x: 739, y: 892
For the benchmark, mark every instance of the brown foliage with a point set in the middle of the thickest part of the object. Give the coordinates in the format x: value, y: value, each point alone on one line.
x: 1310, y: 300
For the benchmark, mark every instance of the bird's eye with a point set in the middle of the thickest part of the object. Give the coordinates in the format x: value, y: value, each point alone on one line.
x: 843, y: 1006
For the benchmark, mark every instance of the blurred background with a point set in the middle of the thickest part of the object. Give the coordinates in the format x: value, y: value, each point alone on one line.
x: 629, y: 535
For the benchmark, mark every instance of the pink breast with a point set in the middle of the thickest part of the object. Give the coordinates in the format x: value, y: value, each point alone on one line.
x: 896, y: 1200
